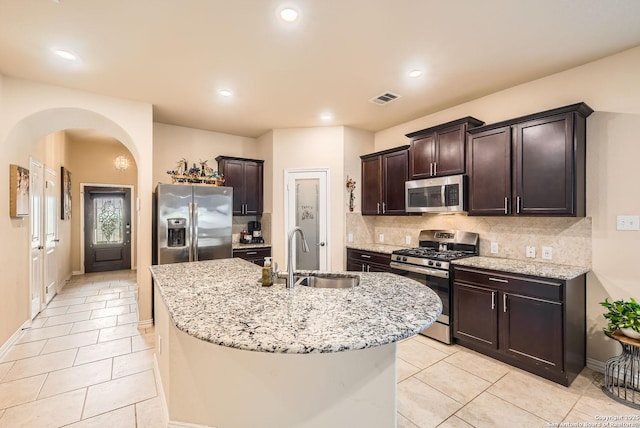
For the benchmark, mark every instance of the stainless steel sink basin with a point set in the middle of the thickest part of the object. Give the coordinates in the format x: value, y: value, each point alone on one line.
x: 328, y: 281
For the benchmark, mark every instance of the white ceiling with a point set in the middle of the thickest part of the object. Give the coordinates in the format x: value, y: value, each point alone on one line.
x: 176, y: 54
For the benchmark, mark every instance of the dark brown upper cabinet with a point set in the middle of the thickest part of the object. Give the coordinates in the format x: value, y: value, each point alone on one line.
x: 383, y: 177
x: 532, y: 165
x: 246, y: 178
x: 440, y: 150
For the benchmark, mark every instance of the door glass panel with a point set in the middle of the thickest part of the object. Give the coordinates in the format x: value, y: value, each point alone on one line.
x: 307, y: 201
x: 108, y: 224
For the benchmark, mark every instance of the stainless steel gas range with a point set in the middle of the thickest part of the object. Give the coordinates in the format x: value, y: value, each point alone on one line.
x: 429, y: 265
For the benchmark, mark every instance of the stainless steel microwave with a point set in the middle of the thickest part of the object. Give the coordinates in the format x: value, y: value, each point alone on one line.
x: 436, y: 195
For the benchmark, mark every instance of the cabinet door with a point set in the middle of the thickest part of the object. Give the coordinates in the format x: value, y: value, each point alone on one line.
x: 490, y: 172
x: 395, y: 167
x: 253, y: 188
x: 544, y: 166
x: 423, y: 151
x: 372, y: 185
x: 449, y: 156
x: 532, y: 330
x: 475, y: 319
x: 234, y: 177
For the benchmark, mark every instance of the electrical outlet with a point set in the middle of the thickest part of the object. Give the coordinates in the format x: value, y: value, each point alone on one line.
x: 547, y: 253
x: 531, y: 252
x: 628, y: 222
x: 407, y: 240
x: 494, y: 248
x: 350, y: 237
x: 381, y: 237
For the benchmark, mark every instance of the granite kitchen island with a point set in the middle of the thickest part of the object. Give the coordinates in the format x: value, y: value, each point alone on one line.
x: 232, y: 353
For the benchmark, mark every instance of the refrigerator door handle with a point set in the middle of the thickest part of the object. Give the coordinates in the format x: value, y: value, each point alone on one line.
x: 190, y: 232
x: 195, y: 232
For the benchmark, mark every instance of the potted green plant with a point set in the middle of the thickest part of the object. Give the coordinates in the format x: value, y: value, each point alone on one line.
x: 623, y: 315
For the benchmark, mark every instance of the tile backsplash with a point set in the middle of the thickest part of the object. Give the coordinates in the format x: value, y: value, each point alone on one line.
x: 569, y: 237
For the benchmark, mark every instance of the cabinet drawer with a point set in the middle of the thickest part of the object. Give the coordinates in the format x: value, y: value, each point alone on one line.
x: 254, y: 255
x: 368, y: 257
x: 535, y: 287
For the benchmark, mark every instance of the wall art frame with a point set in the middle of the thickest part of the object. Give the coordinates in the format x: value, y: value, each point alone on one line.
x: 65, y: 194
x: 18, y: 191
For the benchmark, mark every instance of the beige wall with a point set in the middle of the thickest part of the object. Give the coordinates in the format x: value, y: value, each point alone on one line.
x: 298, y: 148
x: 610, y: 86
x: 28, y: 113
x: 171, y: 143
x: 90, y: 161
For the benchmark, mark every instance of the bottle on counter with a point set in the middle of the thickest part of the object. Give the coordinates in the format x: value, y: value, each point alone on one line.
x: 267, y: 273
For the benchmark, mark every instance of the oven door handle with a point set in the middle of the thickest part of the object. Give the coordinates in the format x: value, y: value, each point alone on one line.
x: 417, y: 269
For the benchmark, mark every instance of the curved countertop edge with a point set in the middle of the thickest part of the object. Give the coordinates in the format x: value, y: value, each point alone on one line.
x: 185, y: 302
x: 524, y: 267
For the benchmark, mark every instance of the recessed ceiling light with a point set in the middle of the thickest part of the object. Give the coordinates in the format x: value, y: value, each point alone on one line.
x: 415, y: 74
x: 65, y: 54
x: 225, y: 92
x: 288, y: 14
x: 326, y: 116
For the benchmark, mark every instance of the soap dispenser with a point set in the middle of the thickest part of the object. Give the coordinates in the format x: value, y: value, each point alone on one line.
x: 267, y: 273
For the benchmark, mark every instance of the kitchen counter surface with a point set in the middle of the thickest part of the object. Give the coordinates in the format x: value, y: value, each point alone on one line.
x: 221, y: 301
x: 240, y: 246
x: 541, y: 269
x: 378, y: 248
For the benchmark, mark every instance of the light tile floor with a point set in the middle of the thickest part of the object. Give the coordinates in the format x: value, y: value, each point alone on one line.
x: 84, y: 363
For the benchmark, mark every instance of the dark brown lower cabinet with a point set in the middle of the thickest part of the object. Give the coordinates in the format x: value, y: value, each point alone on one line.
x: 536, y: 324
x: 253, y: 255
x: 367, y: 261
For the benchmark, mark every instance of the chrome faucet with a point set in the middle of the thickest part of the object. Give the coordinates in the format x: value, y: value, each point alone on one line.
x: 305, y: 248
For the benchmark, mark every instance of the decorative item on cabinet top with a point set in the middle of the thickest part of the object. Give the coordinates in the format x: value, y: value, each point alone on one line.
x: 195, y: 175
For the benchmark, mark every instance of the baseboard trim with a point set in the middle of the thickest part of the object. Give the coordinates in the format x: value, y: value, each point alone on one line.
x: 13, y: 338
x: 174, y: 424
x: 77, y: 272
x: 596, y: 365
x: 145, y: 323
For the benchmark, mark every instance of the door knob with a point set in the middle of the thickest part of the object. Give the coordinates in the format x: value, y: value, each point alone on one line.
x: 321, y: 244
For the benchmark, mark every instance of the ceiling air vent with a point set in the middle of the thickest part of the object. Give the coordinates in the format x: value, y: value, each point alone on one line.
x: 384, y: 98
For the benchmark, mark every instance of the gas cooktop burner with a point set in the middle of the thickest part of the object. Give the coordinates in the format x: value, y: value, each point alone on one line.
x: 432, y: 253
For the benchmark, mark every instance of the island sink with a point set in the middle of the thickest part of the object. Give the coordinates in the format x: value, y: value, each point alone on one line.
x: 319, y: 280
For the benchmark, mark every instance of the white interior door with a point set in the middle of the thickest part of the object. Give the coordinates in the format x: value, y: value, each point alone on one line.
x: 52, y: 194
x: 37, y: 240
x: 307, y: 207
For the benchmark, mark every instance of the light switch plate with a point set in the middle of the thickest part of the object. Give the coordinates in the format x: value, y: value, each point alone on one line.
x: 350, y: 237
x: 407, y: 240
x: 381, y: 237
x: 547, y: 253
x: 531, y: 252
x: 494, y: 248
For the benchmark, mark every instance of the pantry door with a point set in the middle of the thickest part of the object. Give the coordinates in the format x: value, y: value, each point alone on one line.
x: 36, y: 196
x: 306, y: 206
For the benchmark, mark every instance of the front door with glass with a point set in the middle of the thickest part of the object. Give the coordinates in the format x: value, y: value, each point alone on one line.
x: 107, y: 229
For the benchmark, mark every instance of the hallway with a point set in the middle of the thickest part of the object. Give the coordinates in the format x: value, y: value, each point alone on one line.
x: 84, y: 362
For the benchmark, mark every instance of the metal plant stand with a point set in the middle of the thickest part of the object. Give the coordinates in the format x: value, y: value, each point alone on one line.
x: 621, y: 374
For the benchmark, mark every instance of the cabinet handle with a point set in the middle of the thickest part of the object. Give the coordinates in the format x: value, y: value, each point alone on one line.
x: 493, y: 300
x: 378, y: 207
x: 431, y: 168
x: 368, y: 268
x: 365, y: 256
x: 362, y: 267
x: 506, y: 205
x: 251, y: 253
x: 504, y: 303
x: 504, y: 281
x: 518, y: 205
x: 435, y: 168
x: 384, y: 208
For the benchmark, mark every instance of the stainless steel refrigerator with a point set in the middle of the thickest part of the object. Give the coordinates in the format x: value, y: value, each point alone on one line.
x: 191, y: 223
